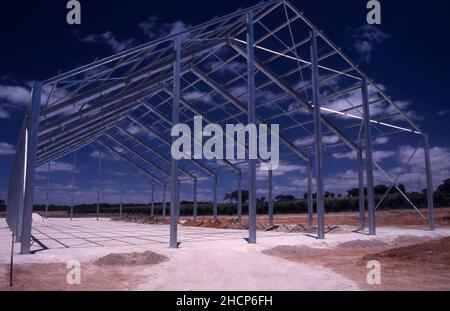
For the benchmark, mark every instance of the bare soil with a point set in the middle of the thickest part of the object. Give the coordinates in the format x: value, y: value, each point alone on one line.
x: 407, y: 264
x: 297, y: 222
x: 113, y: 272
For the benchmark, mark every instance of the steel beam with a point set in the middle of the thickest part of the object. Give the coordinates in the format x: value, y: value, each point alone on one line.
x: 289, y: 90
x: 99, y: 173
x: 156, y: 42
x: 430, y: 189
x: 152, y: 209
x: 348, y: 60
x: 239, y: 196
x: 30, y: 154
x: 174, y: 163
x: 164, y: 202
x: 215, y: 197
x: 168, y: 143
x: 235, y: 102
x: 270, y: 198
x: 72, y: 187
x: 122, y: 171
x: 317, y: 138
x: 142, y: 142
x: 310, y: 196
x: 188, y: 105
x: 362, y: 209
x: 251, y: 120
x: 195, y: 207
x: 20, y: 179
x: 140, y: 156
x: 369, y: 159
x: 128, y: 160
x: 178, y: 200
x: 115, y: 85
x: 47, y: 191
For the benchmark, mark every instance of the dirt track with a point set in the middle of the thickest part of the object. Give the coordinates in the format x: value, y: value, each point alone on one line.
x: 398, y: 218
x: 409, y: 264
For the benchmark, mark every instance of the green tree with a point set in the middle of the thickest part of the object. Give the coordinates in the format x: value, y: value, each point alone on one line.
x: 445, y: 187
x: 354, y: 192
x: 234, y: 196
x: 228, y: 197
x: 285, y: 198
x: 380, y: 189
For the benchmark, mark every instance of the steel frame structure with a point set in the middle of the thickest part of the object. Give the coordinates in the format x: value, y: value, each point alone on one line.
x: 264, y: 64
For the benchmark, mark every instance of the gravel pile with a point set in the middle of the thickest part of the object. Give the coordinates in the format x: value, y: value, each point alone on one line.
x: 131, y: 259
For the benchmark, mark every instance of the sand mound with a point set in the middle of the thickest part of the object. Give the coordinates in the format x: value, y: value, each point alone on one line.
x: 295, y: 251
x: 408, y: 239
x: 363, y: 244
x: 131, y: 259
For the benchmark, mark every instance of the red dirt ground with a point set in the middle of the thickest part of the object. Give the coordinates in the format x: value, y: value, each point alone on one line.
x: 404, y: 266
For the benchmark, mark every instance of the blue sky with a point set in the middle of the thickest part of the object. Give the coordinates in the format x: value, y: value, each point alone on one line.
x: 407, y: 54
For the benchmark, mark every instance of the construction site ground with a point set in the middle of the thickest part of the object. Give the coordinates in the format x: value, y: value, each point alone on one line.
x: 133, y: 254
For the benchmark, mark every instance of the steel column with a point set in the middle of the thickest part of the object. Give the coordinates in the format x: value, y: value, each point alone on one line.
x: 362, y: 211
x: 152, y: 209
x: 270, y: 198
x: 215, y: 197
x: 72, y: 187
x: 369, y: 159
x: 251, y: 120
x: 178, y: 200
x: 174, y: 164
x: 430, y: 188
x: 121, y: 189
x: 30, y: 154
x: 164, y: 202
x: 99, y: 172
x: 194, y: 207
x: 47, y: 190
x: 317, y: 138
x: 239, y: 196
x: 20, y: 181
x: 310, y: 197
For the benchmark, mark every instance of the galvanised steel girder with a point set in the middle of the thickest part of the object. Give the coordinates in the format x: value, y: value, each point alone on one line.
x: 132, y: 78
x: 168, y: 143
x: 137, y: 154
x: 151, y: 148
x: 268, y: 72
x: 303, y: 155
x: 130, y: 161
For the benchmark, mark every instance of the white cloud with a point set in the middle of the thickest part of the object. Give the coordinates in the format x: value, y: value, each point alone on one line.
x: 6, y: 149
x: 15, y: 94
x: 198, y: 95
x: 110, y: 39
x: 104, y: 155
x: 16, y: 97
x: 382, y: 140
x: 308, y: 141
x: 13, y: 98
x: 443, y: 113
x: 97, y: 154
x: 282, y: 170
x: 56, y: 167
x: 351, y: 155
x: 134, y: 129
x: 152, y: 28
x: 365, y: 38
x: 378, y: 155
x: 234, y: 66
